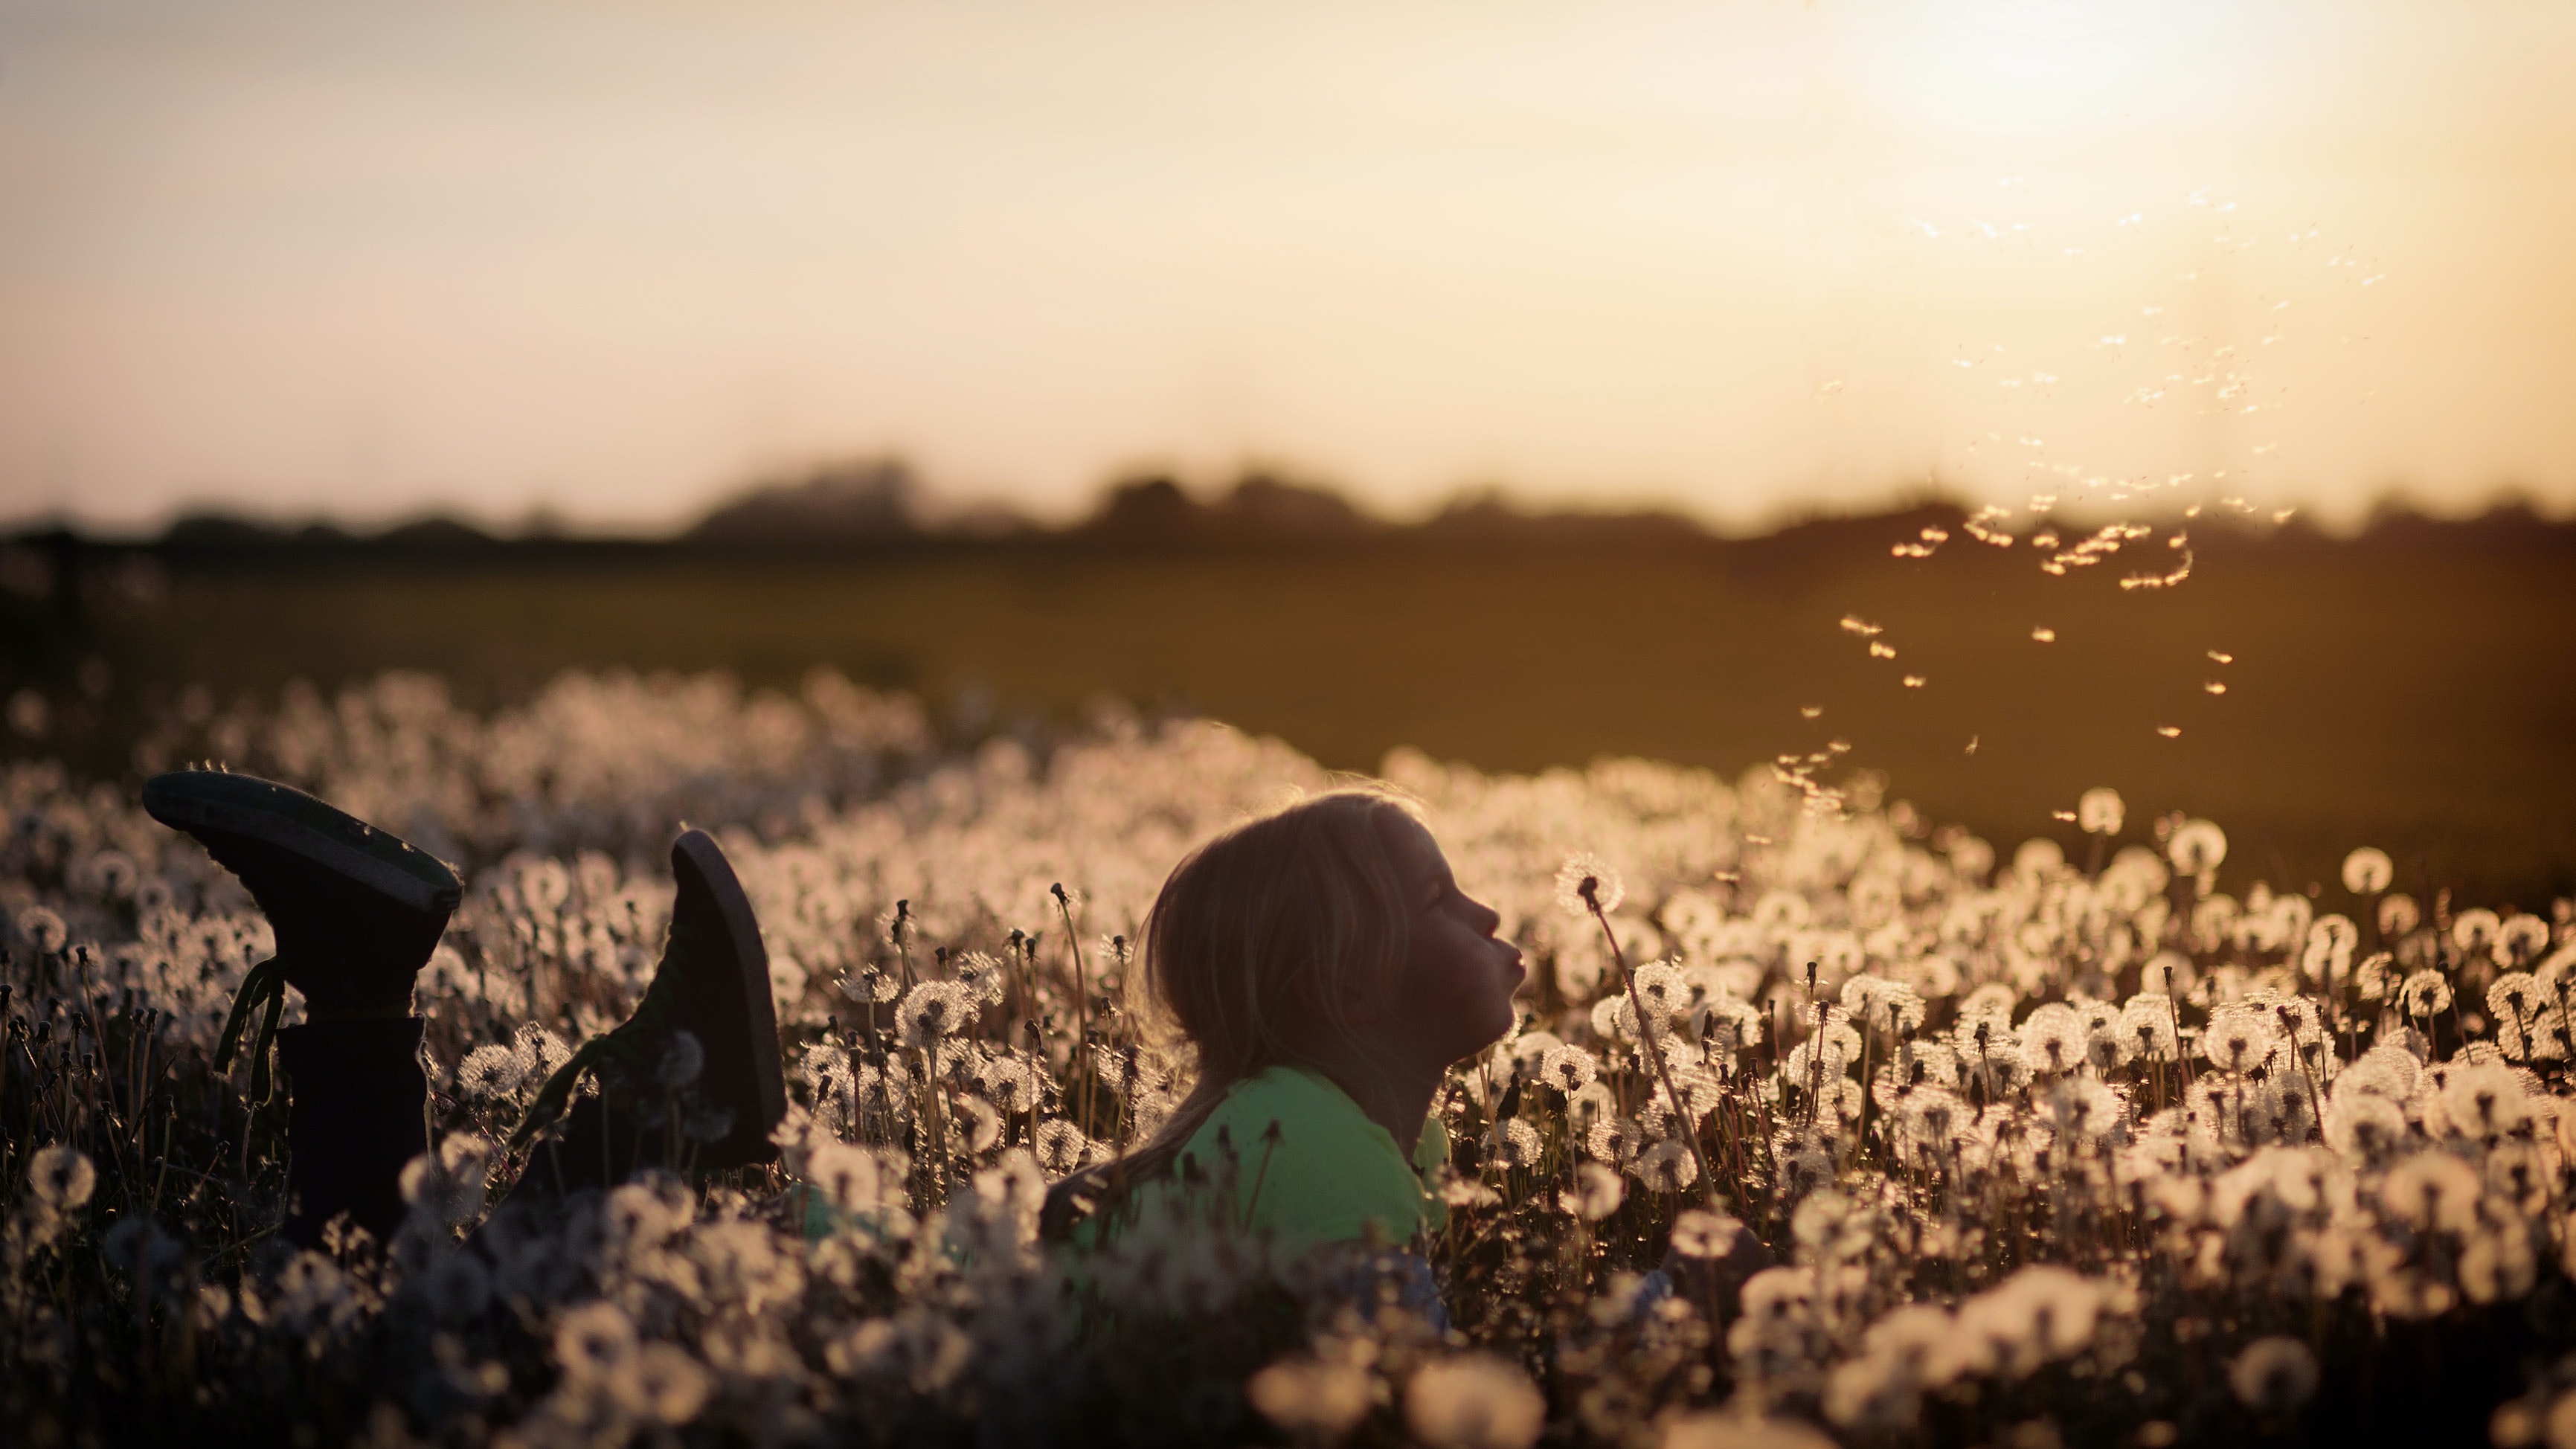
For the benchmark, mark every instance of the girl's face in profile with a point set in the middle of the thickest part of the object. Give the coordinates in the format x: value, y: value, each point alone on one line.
x: 1453, y: 995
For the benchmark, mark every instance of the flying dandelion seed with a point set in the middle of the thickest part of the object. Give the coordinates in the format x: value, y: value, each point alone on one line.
x: 2044, y: 635
x: 2171, y: 732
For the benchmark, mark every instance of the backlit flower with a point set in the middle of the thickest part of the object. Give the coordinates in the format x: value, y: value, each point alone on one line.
x: 1473, y: 1401
x: 1586, y: 883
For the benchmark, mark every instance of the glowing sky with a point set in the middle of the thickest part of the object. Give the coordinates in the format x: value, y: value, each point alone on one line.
x: 611, y: 257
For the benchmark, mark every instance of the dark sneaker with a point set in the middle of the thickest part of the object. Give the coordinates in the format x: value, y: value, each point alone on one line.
x: 714, y: 983
x: 356, y: 911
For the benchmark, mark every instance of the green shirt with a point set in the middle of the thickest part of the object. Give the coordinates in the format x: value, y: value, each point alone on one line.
x: 1330, y: 1174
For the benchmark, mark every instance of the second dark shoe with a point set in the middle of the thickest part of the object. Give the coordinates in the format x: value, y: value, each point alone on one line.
x: 713, y: 983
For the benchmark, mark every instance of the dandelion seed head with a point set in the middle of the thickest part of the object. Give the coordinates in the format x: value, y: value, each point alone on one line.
x: 1010, y: 1084
x: 683, y: 1059
x: 1569, y: 1069
x: 594, y: 1340
x: 981, y: 1122
x: 1473, y: 1401
x: 2273, y: 1376
x: 1307, y: 1396
x: 1061, y: 1147
x: 986, y: 980
x: 1586, y: 883
x: 2196, y: 846
x: 1667, y: 1166
x: 43, y: 928
x: 2100, y: 811
x: 935, y: 1010
x: 662, y: 1383
x: 2432, y: 1190
x: 1614, y: 1140
x: 2424, y: 993
x: 488, y: 1072
x: 1596, y: 1194
x: 61, y: 1177
x: 2398, y: 914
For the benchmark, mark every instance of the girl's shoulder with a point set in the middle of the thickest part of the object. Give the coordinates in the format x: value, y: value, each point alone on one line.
x: 1287, y: 1108
x: 1306, y: 1161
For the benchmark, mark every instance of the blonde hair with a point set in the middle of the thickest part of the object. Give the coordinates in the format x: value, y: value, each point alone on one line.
x: 1254, y: 942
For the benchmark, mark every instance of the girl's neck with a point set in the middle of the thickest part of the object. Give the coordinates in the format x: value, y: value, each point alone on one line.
x: 1395, y: 1096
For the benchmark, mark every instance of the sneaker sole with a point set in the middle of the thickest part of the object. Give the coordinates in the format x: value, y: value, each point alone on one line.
x: 697, y: 850
x: 199, y: 801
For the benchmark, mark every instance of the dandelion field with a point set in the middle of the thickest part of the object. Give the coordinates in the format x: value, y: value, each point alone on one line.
x: 2033, y: 1142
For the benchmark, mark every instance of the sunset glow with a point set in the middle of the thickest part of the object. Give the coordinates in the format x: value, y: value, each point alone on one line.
x: 611, y: 260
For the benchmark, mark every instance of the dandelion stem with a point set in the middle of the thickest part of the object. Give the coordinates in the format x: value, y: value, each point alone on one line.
x: 1663, y: 1069
x: 1081, y: 1058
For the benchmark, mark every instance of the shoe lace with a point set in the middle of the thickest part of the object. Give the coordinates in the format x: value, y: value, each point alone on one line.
x: 624, y: 1044
x: 264, y: 983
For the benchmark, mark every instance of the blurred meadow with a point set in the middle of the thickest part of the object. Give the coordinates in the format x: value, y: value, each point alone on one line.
x: 2413, y: 686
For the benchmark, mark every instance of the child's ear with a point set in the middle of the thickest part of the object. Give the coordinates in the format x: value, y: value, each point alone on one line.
x: 1360, y: 1001
x: 1325, y: 1001
x: 1322, y: 1002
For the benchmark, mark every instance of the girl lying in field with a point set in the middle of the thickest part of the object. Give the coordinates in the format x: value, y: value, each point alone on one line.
x: 1330, y: 971
x: 1322, y: 960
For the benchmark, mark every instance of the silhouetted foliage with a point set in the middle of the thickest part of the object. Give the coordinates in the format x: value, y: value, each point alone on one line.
x: 874, y: 501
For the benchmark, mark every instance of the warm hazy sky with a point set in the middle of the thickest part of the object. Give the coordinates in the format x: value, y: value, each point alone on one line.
x: 612, y: 256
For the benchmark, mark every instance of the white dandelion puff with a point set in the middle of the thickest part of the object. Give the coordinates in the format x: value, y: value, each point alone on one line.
x: 1596, y: 1194
x: 1586, y: 883
x: 2273, y: 1376
x: 61, y: 1178
x: 1309, y: 1396
x: 1474, y: 1401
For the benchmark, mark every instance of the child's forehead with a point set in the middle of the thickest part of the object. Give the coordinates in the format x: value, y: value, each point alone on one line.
x: 1411, y: 842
